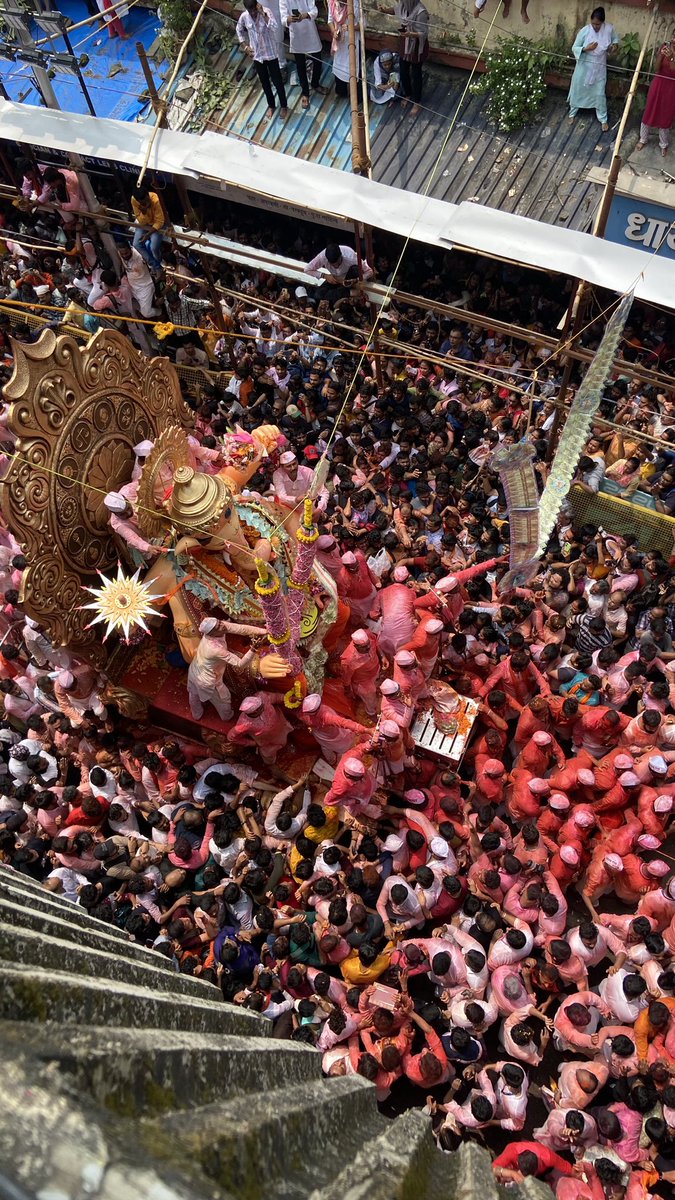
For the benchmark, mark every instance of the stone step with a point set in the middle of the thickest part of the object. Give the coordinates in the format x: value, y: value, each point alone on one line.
x: 137, y: 1072
x: 91, y: 936
x: 29, y: 993
x: 41, y: 901
x: 395, y: 1165
x: 281, y: 1145
x: 20, y: 945
x: 464, y: 1175
x: 54, y: 1147
x: 467, y: 1175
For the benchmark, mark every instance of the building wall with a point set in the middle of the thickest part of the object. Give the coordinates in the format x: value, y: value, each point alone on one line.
x: 453, y: 22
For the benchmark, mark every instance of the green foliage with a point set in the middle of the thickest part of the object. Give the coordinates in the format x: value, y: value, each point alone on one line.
x: 628, y: 51
x: 177, y: 18
x: 513, y: 82
x: 214, y: 90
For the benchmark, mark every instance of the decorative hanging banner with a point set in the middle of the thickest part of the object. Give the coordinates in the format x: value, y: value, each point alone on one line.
x: 578, y: 423
x: 515, y: 465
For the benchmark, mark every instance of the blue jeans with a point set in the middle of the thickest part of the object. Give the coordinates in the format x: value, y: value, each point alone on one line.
x: 149, y: 242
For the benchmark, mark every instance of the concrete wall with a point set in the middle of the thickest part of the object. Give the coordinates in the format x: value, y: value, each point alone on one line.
x: 453, y: 22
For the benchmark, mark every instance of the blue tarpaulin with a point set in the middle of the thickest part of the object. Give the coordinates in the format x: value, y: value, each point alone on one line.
x: 113, y: 75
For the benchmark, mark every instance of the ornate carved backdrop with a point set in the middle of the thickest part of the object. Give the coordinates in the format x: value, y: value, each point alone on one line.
x: 77, y: 411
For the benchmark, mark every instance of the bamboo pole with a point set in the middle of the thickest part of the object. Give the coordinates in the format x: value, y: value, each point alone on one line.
x: 174, y: 75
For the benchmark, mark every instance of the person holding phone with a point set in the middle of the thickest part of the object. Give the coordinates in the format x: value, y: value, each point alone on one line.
x: 593, y: 44
x: 299, y: 17
x: 257, y: 33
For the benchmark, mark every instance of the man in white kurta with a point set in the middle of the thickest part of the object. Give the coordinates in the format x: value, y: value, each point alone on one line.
x: 206, y: 684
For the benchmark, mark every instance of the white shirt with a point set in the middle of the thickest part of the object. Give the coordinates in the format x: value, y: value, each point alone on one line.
x: 70, y: 881
x: 320, y: 266
x: 304, y: 34
x: 611, y: 991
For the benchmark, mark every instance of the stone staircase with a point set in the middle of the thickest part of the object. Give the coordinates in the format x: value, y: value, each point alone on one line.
x: 123, y: 1080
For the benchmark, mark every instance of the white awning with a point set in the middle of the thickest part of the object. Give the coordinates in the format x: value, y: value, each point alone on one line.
x: 308, y: 186
x: 579, y: 255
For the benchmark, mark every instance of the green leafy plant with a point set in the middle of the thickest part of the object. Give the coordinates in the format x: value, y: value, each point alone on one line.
x: 628, y: 51
x: 513, y: 83
x: 177, y: 17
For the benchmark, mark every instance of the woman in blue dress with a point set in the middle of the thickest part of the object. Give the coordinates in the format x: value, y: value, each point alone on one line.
x: 592, y: 46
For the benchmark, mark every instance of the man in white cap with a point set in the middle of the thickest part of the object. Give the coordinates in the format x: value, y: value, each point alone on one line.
x: 357, y: 586
x: 652, y: 769
x: 328, y: 554
x: 291, y: 483
x: 656, y: 812
x: 77, y: 691
x: 425, y: 644
x: 262, y: 725
x: 408, y: 674
x: 40, y: 648
x: 141, y: 450
x: 334, y: 733
x: 611, y: 807
x: 659, y: 907
x: 397, y: 606
x: 541, y: 753
x: 453, y: 601
x: 390, y: 748
x: 353, y: 784
x: 394, y: 706
x: 360, y: 668
x: 123, y: 524
x: 205, y: 681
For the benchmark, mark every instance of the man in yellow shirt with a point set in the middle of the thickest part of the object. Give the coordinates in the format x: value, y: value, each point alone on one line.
x: 149, y: 216
x: 365, y: 965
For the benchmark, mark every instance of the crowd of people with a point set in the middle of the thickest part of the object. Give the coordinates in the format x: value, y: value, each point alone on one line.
x: 492, y: 937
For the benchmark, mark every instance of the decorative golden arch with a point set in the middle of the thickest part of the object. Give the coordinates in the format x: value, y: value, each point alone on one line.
x: 77, y: 412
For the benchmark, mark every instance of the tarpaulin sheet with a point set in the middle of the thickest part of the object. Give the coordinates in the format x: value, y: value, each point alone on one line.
x: 113, y: 74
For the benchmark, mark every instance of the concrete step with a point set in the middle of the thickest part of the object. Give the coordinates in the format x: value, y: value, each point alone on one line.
x: 20, y: 945
x: 54, y: 1147
x: 137, y: 1072
x: 41, y: 901
x: 395, y: 1165
x: 280, y: 1145
x: 29, y: 993
x: 529, y: 1189
x: 465, y: 1175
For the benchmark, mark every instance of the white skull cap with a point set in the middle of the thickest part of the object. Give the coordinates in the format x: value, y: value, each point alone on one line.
x: 569, y: 855
x: 354, y: 768
x: 614, y: 862
x: 115, y: 502
x: 434, y: 626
